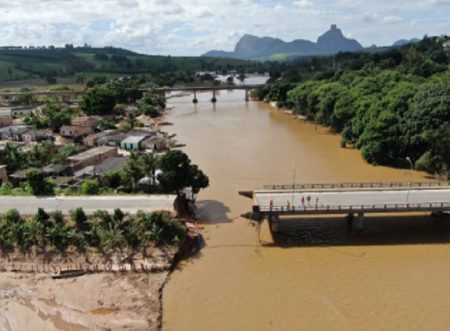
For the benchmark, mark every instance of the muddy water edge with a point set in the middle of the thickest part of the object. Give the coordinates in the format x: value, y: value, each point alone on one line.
x: 316, y: 275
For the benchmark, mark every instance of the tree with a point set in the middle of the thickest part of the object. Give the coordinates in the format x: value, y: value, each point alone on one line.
x: 178, y: 173
x: 90, y: 187
x: 38, y: 184
x: 79, y: 218
x: 133, y: 171
x: 98, y: 101
x: 57, y: 115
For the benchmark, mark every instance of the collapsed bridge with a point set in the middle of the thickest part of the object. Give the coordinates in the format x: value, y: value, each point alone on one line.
x: 348, y: 199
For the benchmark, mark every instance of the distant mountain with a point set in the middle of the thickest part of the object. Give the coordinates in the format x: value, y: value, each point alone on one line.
x: 403, y: 42
x: 251, y: 47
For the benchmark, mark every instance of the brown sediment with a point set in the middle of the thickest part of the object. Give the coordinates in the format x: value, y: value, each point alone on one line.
x: 103, y: 298
x: 317, y: 276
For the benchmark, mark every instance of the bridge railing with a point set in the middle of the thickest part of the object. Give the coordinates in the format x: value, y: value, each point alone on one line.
x: 356, y: 185
x: 354, y: 208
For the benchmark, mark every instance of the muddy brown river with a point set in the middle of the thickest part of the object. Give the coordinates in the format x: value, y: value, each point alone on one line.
x: 316, y: 274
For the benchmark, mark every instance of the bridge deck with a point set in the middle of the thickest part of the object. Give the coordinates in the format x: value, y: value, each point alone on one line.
x: 340, y: 201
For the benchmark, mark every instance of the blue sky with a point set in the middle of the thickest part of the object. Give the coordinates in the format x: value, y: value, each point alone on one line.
x: 185, y: 27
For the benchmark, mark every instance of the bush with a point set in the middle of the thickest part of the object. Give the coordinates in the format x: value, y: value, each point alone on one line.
x: 90, y: 187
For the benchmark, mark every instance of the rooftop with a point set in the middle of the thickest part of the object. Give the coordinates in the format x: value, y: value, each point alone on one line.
x: 91, y: 153
x: 134, y: 139
x: 23, y: 173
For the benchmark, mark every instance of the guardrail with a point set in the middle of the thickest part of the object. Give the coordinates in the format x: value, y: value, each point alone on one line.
x: 356, y: 185
x: 379, y: 208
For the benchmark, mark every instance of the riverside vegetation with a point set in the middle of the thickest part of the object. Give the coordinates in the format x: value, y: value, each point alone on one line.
x: 390, y: 105
x: 101, y: 232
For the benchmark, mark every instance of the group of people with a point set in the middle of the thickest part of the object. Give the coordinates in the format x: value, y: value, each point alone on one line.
x: 305, y: 202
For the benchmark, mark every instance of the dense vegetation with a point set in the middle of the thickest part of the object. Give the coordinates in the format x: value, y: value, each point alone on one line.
x: 101, y: 231
x: 391, y: 105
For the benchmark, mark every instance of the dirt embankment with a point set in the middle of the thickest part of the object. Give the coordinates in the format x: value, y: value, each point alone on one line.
x: 100, y: 300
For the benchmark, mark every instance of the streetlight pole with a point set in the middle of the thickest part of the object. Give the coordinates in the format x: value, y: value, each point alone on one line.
x: 410, y: 177
x: 293, y: 182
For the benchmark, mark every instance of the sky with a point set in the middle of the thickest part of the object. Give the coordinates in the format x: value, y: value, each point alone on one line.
x: 192, y: 27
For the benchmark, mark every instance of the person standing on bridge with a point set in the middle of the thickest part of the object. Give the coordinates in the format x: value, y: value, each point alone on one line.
x: 271, y: 204
x: 303, y: 202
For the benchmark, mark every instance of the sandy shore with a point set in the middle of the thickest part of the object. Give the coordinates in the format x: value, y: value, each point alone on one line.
x: 98, y: 301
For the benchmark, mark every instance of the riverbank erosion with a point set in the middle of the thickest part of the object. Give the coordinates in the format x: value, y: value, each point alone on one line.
x: 98, y: 301
x: 87, y: 272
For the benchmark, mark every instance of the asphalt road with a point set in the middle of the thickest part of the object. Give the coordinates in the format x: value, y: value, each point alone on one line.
x: 353, y: 198
x: 130, y: 204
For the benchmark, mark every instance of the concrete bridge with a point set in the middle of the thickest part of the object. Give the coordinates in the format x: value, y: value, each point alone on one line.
x: 192, y: 89
x: 213, y: 89
x: 348, y: 199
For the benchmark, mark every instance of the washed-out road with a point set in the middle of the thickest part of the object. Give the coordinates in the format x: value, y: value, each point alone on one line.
x: 130, y: 204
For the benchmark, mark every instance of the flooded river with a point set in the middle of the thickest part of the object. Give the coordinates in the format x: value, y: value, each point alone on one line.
x: 317, y: 275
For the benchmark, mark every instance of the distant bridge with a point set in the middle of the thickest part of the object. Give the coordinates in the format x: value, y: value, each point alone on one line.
x: 348, y: 199
x: 193, y: 89
x: 213, y: 88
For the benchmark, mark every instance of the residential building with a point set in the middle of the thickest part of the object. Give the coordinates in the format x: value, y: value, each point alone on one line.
x: 18, y: 133
x: 92, y: 156
x: 132, y: 143
x: 91, y: 140
x: 88, y: 121
x: 73, y: 131
x: 156, y: 143
x: 57, y: 170
x: 20, y: 176
x: 111, y: 140
x: 22, y: 110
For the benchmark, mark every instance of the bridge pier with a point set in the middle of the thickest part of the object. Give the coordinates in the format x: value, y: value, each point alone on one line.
x: 273, y: 223
x: 195, y: 100
x: 360, y: 221
x: 214, y: 99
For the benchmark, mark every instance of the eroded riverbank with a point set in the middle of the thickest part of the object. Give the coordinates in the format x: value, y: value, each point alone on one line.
x: 317, y: 276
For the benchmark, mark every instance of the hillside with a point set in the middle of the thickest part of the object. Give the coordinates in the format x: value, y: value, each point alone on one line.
x: 18, y: 63
x: 252, y: 47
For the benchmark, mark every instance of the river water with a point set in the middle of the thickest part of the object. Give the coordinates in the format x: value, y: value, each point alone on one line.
x: 316, y: 274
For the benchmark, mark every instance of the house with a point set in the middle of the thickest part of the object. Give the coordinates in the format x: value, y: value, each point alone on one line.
x: 99, y: 170
x: 92, y: 156
x: 111, y: 140
x: 133, y: 143
x: 21, y: 175
x: 91, y: 140
x: 87, y: 121
x: 3, y: 174
x: 73, y: 131
x: 18, y: 133
x: 155, y: 143
x: 44, y: 134
x: 57, y: 170
x: 22, y: 110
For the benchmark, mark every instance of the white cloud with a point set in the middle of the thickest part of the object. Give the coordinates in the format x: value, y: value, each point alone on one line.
x: 195, y: 26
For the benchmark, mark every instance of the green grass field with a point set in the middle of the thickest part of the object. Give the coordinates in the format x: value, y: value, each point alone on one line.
x: 30, y: 64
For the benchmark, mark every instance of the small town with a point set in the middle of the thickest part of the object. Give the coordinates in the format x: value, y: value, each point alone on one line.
x: 60, y: 143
